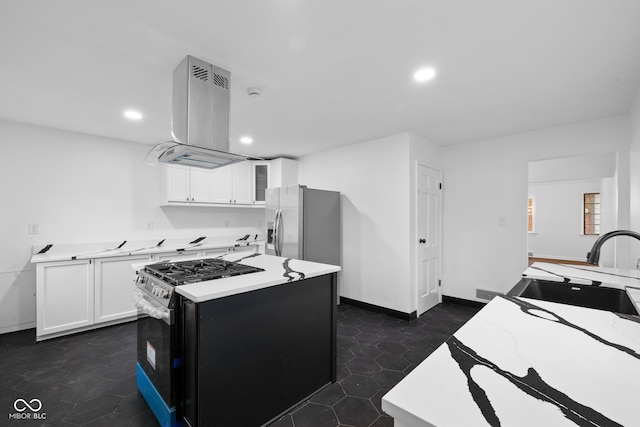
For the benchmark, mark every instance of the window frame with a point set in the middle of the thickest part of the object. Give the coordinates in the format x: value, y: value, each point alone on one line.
x: 531, y: 214
x: 588, y: 218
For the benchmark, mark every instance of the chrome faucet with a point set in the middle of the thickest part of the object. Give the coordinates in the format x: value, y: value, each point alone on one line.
x: 593, y: 257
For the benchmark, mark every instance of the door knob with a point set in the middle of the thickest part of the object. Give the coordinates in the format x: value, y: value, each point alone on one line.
x: 423, y: 240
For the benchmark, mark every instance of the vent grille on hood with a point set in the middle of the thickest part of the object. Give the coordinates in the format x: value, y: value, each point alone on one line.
x: 199, y: 118
x: 199, y: 73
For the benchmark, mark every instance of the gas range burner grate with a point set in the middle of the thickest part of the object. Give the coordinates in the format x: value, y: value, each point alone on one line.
x: 199, y: 270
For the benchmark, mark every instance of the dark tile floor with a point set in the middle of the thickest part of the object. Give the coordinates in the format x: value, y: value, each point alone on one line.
x: 88, y: 379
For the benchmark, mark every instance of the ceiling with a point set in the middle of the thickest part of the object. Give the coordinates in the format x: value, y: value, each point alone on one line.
x: 331, y: 72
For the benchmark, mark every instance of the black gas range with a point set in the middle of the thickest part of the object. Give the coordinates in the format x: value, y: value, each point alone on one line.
x: 159, y: 334
x: 159, y: 280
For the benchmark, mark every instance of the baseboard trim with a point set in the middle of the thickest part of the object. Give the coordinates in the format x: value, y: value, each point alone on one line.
x: 462, y: 301
x: 378, y: 309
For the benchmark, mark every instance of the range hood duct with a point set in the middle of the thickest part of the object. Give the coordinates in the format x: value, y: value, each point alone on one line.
x: 199, y: 118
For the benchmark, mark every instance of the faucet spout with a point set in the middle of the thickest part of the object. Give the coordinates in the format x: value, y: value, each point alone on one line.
x: 593, y: 257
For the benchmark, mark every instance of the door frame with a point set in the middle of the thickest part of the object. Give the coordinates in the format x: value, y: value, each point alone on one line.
x: 415, y: 237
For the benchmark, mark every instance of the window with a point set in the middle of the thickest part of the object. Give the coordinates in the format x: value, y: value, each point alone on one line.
x: 591, y: 214
x: 530, y: 228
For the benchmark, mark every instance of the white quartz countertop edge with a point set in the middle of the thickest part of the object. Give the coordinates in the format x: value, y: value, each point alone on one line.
x: 584, y: 275
x: 70, y: 252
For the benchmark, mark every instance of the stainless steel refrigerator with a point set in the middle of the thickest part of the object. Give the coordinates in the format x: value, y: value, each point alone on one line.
x: 303, y: 223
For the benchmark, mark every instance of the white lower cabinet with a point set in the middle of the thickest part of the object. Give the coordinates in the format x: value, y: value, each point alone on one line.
x: 114, y: 281
x: 78, y: 295
x: 64, y: 296
x: 72, y: 296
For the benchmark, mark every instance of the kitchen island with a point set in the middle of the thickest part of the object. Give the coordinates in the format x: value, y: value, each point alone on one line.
x: 524, y: 362
x: 252, y: 346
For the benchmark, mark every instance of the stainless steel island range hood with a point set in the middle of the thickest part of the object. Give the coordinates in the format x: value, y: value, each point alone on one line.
x: 199, y: 118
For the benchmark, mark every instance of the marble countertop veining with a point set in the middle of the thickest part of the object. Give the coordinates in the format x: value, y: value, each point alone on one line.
x: 277, y: 270
x: 80, y: 251
x: 523, y: 362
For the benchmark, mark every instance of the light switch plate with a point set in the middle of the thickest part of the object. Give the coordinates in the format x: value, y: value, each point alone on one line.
x: 33, y: 229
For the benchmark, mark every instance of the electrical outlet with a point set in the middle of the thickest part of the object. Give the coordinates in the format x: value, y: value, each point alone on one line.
x: 33, y: 229
x: 149, y: 225
x: 502, y: 221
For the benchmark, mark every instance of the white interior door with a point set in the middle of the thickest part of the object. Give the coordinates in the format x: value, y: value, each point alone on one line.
x: 428, y: 239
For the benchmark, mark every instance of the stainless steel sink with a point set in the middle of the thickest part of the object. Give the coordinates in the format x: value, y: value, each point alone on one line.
x: 598, y: 297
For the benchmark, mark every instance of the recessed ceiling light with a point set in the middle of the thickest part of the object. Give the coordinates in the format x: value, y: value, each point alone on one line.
x: 133, y: 115
x: 424, y: 74
x: 246, y: 140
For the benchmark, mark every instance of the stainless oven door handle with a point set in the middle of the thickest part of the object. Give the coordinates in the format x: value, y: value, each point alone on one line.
x: 155, y: 311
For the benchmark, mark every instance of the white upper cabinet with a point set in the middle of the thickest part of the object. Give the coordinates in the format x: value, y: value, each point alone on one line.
x: 186, y: 185
x: 231, y: 184
x: 260, y: 176
x: 222, y: 185
x: 282, y: 172
x: 241, y: 184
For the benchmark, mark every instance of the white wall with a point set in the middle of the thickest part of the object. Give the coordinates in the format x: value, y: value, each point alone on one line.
x: 82, y: 188
x: 374, y: 181
x: 558, y: 219
x: 487, y: 179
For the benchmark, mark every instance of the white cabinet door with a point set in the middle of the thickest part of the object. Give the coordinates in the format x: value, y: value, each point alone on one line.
x: 282, y: 172
x: 64, y: 296
x: 259, y: 182
x: 200, y: 185
x: 177, y: 184
x: 222, y: 185
x: 242, y: 183
x: 114, y: 286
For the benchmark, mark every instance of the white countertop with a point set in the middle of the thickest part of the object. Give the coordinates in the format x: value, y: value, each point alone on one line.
x: 583, y: 275
x: 523, y: 362
x: 277, y: 270
x: 67, y: 252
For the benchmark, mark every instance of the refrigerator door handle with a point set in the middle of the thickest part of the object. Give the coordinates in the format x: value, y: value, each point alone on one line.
x: 276, y: 232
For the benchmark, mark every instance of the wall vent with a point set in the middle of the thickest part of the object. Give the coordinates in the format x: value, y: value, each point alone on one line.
x: 487, y: 295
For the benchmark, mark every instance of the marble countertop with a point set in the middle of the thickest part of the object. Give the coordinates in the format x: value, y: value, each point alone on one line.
x: 277, y: 270
x: 68, y: 252
x: 523, y: 362
x: 584, y: 275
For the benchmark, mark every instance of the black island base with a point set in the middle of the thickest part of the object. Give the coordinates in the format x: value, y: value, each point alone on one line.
x: 251, y: 357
